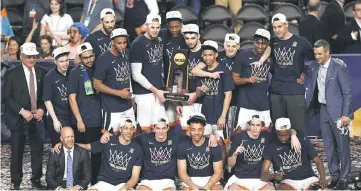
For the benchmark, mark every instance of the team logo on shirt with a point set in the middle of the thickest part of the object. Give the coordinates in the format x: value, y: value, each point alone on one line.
x: 160, y: 155
x: 290, y: 160
x: 155, y: 54
x: 192, y: 63
x: 118, y: 161
x: 229, y: 65
x: 198, y: 161
x: 105, y: 46
x: 253, y: 153
x: 294, y: 44
x: 212, y: 85
x: 170, y: 50
x: 63, y: 92
x: 131, y: 150
x: 122, y: 72
x: 284, y: 57
x: 260, y: 71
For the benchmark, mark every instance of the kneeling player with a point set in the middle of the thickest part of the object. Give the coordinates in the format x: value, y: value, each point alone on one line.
x: 199, y: 166
x: 121, y: 162
x: 246, y: 156
x: 292, y: 168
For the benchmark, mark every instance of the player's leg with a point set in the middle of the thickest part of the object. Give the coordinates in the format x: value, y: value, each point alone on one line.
x: 278, y: 109
x: 142, y: 188
x: 217, y: 187
x: 296, y: 111
x: 268, y: 187
x: 285, y: 187
x: 144, y: 102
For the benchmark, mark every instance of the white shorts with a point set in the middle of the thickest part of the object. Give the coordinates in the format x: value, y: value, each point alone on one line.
x: 222, y: 133
x: 300, y: 184
x: 199, y: 181
x: 189, y: 109
x: 158, y: 184
x: 149, y: 110
x: 246, y: 183
x: 171, y: 112
x: 115, y: 120
x: 245, y: 114
x: 107, y: 187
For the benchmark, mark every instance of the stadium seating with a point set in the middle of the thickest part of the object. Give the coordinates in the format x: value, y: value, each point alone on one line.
x: 253, y: 13
x: 246, y: 44
x: 248, y: 30
x: 75, y: 13
x: 216, y: 32
x: 216, y: 14
x: 348, y: 9
x: 291, y: 11
x: 188, y: 15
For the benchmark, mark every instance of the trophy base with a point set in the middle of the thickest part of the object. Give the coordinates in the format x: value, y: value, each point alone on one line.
x: 176, y: 97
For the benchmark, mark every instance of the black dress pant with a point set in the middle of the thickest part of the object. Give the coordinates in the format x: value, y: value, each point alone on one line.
x: 289, y: 106
x: 91, y: 134
x: 18, y: 139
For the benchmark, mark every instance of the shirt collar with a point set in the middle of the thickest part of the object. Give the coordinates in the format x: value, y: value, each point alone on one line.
x: 326, y: 64
x: 66, y: 150
x: 341, y: 4
x: 26, y: 68
x: 358, y: 23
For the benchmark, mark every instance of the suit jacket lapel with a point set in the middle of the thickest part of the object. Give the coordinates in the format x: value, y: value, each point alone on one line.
x: 62, y: 162
x: 22, y: 78
x: 329, y: 72
x: 76, y: 158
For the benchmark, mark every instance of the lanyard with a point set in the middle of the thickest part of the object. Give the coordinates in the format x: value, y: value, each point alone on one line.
x: 90, y: 4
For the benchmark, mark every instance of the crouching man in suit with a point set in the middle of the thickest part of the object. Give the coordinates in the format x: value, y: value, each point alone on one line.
x: 69, y: 169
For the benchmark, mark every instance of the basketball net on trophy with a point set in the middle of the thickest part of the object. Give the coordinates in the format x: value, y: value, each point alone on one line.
x: 260, y: 71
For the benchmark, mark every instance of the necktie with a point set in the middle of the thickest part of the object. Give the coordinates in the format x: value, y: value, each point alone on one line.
x: 69, y: 171
x: 32, y: 92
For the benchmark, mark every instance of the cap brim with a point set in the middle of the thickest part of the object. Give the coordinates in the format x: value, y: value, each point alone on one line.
x: 32, y: 53
x: 119, y: 36
x: 208, y: 47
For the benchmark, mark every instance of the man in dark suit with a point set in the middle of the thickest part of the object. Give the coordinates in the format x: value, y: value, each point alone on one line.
x: 70, y: 168
x: 351, y: 34
x: 21, y: 93
x: 333, y: 20
x: 330, y: 92
x: 310, y: 27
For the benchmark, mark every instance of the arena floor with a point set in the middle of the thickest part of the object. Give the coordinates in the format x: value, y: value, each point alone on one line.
x: 26, y: 184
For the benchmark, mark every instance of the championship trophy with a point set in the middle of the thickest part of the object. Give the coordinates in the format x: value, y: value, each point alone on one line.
x: 178, y: 77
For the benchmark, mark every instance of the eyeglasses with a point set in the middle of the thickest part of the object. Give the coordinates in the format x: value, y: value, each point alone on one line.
x: 91, y: 57
x: 31, y: 56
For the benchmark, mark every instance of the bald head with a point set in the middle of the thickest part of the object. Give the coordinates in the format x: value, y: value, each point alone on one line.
x: 313, y: 5
x: 67, y: 137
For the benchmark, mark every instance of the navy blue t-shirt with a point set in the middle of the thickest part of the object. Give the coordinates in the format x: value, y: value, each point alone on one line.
x: 150, y: 54
x: 170, y: 44
x: 117, y: 160
x: 199, y: 159
x: 89, y: 105
x: 115, y: 72
x: 55, y: 90
x: 160, y: 158
x: 136, y: 12
x: 213, y: 99
x: 193, y: 60
x: 249, y: 163
x: 293, y: 165
x: 289, y: 59
x: 229, y: 62
x: 252, y: 96
x: 100, y: 42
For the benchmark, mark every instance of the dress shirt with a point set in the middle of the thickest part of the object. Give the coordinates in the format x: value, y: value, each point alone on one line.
x: 321, y: 81
x: 27, y: 76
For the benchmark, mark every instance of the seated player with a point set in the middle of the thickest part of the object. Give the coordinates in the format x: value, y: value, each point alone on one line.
x: 160, y: 156
x: 121, y: 162
x: 292, y: 168
x: 199, y: 166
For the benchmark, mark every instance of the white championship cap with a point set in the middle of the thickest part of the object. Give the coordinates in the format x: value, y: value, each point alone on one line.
x: 127, y: 121
x: 105, y: 12
x: 153, y: 18
x: 279, y: 17
x: 256, y: 117
x: 263, y: 33
x: 29, y: 49
x: 60, y: 50
x: 232, y: 37
x: 84, y: 47
x: 283, y: 124
x: 173, y: 15
x: 118, y: 32
x: 190, y: 28
x: 210, y: 44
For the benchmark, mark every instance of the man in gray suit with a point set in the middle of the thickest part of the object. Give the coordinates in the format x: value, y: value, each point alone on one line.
x: 330, y: 92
